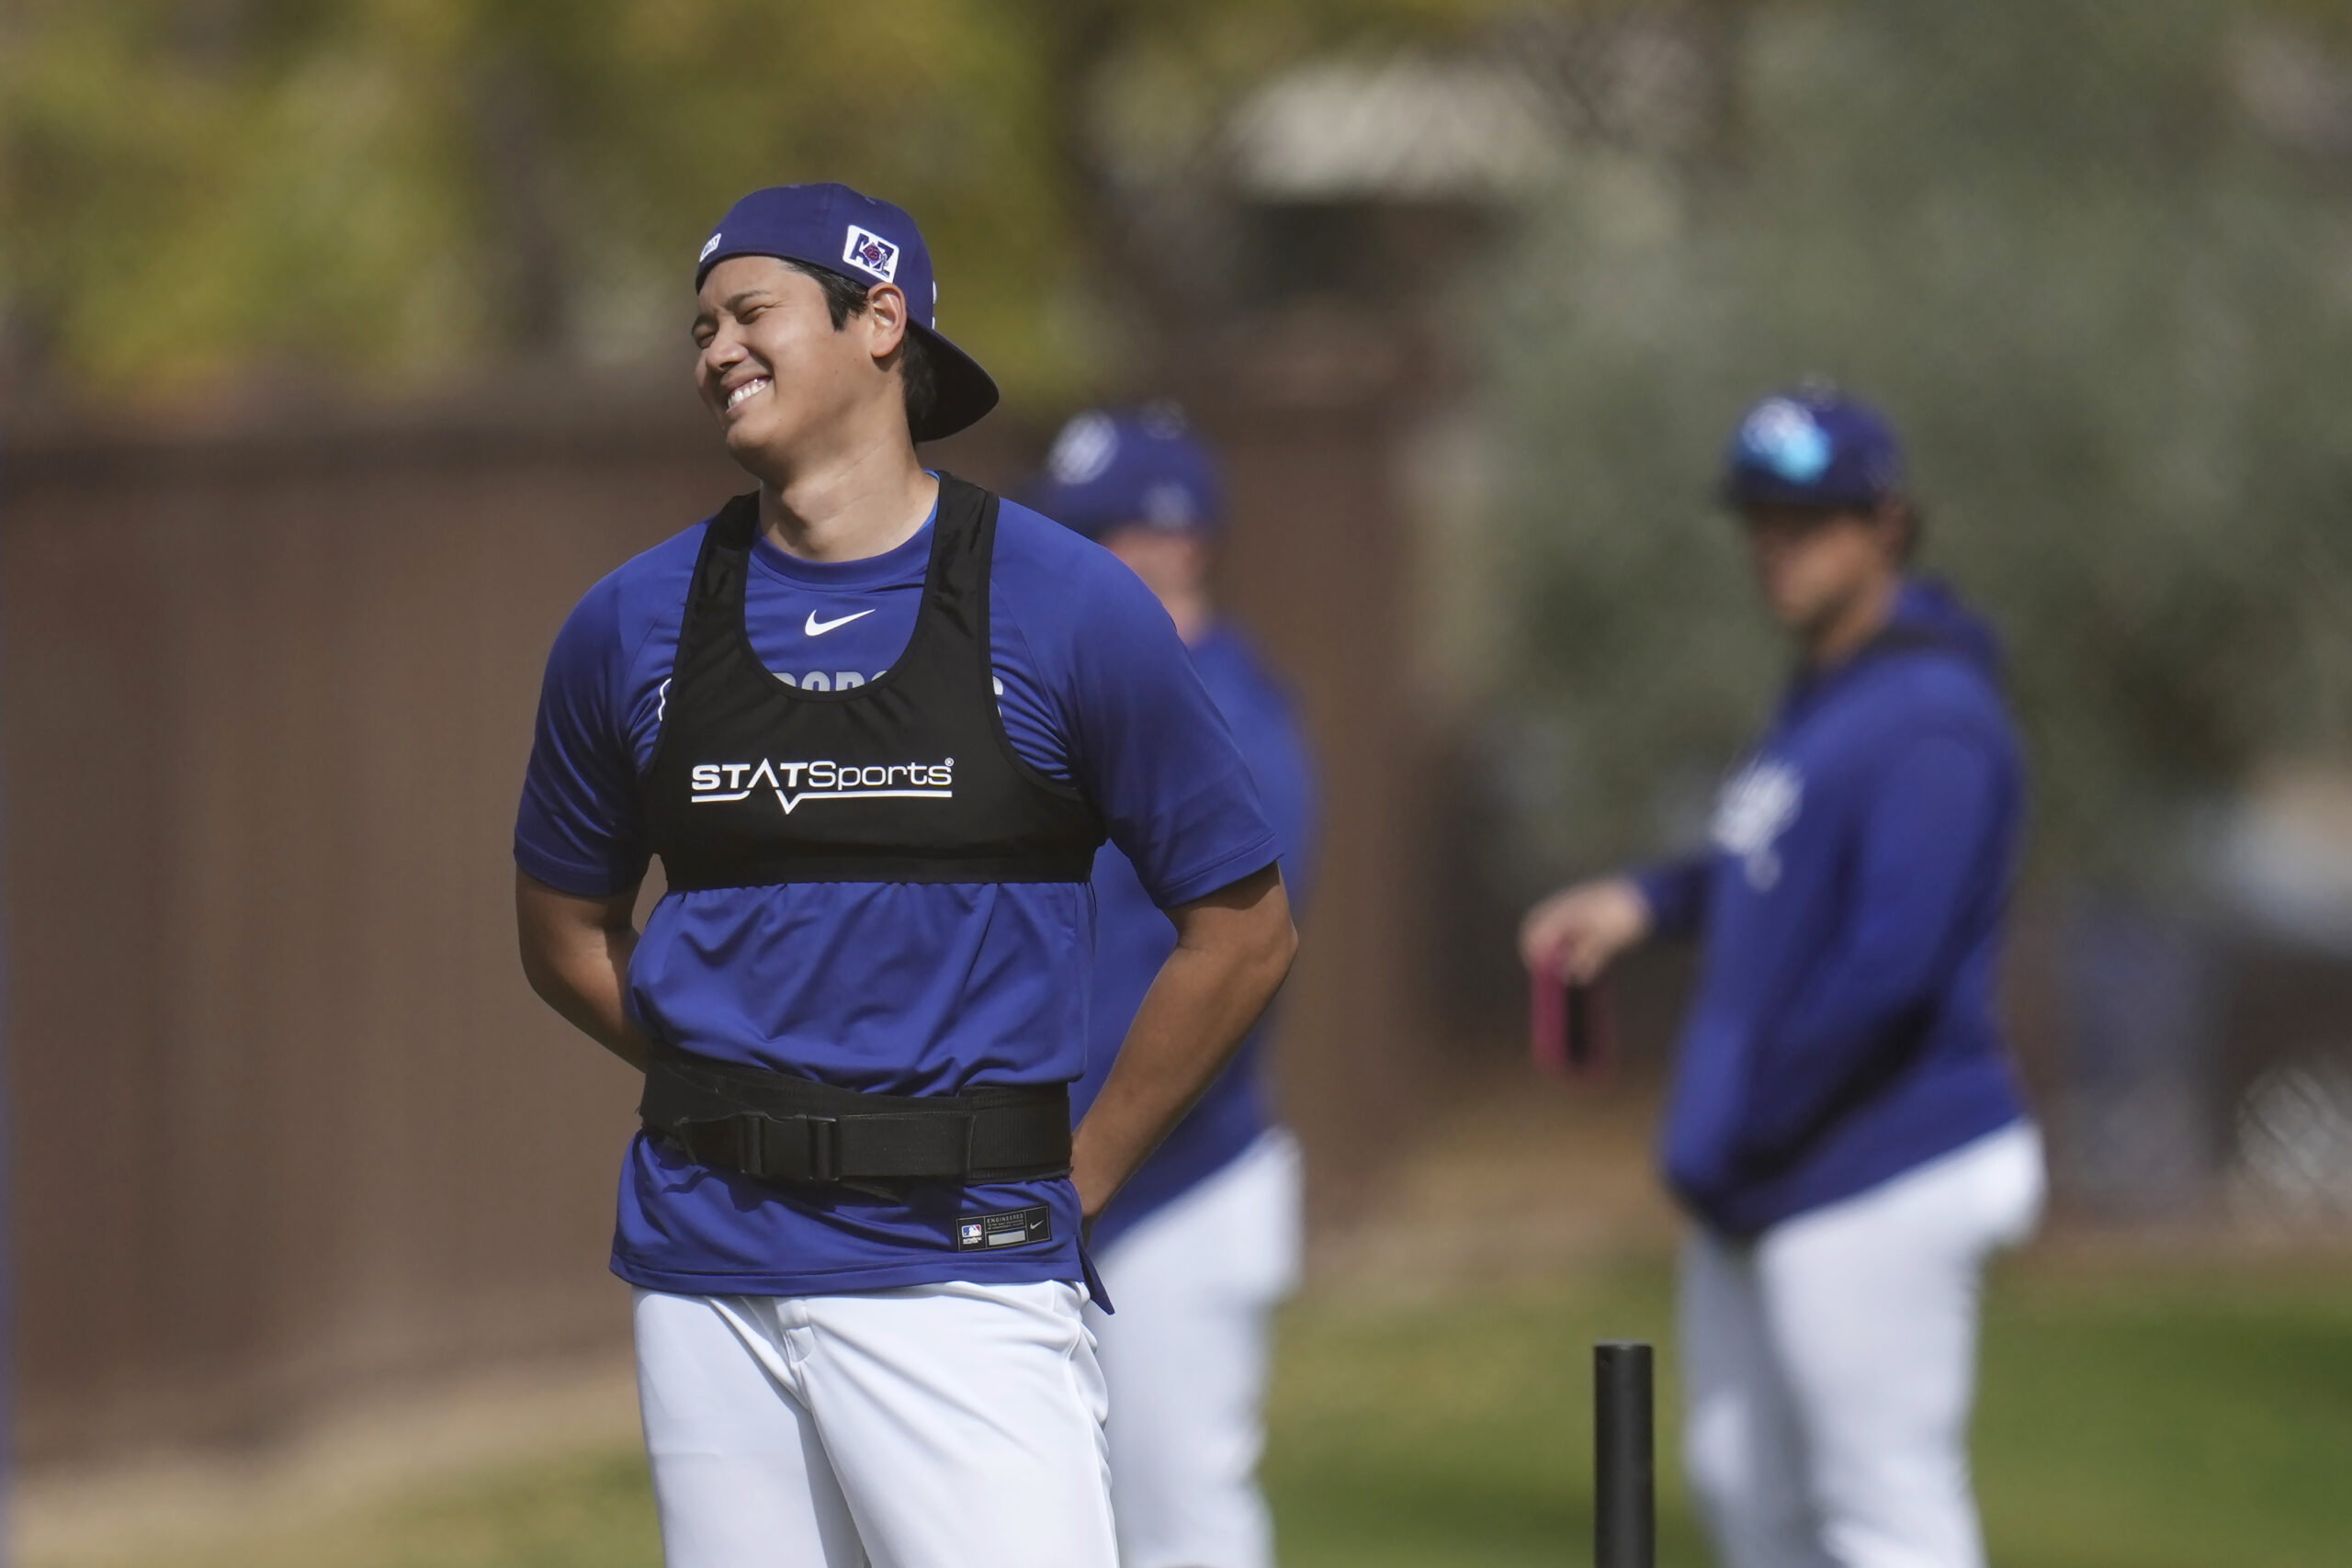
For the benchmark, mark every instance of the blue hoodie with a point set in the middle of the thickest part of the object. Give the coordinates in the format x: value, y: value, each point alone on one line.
x: 1851, y: 903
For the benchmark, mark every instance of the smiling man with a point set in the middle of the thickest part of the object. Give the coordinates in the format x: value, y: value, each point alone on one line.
x: 876, y: 723
x: 1844, y: 1127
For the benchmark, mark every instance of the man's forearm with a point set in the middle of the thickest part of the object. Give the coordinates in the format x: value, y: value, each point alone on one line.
x: 576, y: 955
x: 1213, y: 988
x: 588, y: 995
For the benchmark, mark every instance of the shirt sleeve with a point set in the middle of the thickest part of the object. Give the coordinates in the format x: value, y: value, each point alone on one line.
x: 580, y: 828
x: 1676, y: 891
x: 1285, y: 773
x: 1154, y: 754
x: 1923, y: 841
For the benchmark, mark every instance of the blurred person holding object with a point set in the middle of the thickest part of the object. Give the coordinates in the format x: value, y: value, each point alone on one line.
x: 1203, y: 1241
x: 876, y: 724
x: 1844, y: 1127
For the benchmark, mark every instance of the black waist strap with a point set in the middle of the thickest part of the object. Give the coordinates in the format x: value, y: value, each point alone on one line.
x: 781, y: 1128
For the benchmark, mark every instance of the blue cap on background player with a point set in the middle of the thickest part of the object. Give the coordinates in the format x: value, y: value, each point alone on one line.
x: 1109, y: 469
x: 1813, y: 447
x: 867, y: 241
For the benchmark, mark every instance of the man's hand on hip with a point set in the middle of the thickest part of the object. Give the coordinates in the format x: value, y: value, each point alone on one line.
x: 1233, y: 950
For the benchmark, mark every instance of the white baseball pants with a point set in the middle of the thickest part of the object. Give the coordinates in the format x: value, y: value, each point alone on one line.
x: 936, y: 1426
x: 1829, y: 1367
x: 1195, y: 1286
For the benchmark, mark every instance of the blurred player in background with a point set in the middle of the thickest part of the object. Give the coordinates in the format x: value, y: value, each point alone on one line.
x: 1201, y: 1245
x: 1844, y: 1124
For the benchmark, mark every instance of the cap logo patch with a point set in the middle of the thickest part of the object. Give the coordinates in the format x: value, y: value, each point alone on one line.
x: 1783, y: 435
x: 1083, y: 450
x: 1169, y: 505
x: 870, y: 253
x: 707, y: 246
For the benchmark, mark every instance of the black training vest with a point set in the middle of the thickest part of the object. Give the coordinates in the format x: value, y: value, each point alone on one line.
x: 908, y: 778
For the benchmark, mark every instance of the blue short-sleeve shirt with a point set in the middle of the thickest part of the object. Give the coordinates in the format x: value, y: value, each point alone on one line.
x: 896, y: 987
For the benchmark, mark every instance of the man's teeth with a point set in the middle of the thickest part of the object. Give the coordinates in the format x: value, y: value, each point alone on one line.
x: 757, y: 383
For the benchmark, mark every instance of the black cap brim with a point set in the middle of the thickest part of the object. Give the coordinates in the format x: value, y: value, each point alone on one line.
x: 962, y: 393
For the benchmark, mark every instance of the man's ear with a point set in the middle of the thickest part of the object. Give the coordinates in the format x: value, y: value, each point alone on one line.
x: 1891, y: 518
x: 885, y: 317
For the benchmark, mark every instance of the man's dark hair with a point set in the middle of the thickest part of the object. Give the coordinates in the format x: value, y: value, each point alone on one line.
x: 844, y: 297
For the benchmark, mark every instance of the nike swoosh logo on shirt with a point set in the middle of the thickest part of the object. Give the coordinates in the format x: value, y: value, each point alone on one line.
x: 818, y: 628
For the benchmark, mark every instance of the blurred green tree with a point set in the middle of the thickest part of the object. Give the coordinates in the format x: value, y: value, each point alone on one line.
x: 396, y: 188
x: 2111, y: 316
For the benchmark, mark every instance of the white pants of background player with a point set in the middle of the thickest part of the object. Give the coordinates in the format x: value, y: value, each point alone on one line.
x: 934, y: 1427
x: 1195, y: 1286
x: 1829, y: 1367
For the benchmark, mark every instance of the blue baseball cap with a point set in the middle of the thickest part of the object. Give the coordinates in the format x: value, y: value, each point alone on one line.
x: 1112, y: 467
x: 867, y: 241
x: 1813, y: 446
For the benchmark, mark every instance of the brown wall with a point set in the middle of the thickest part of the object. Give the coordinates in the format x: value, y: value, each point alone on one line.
x: 288, y: 1121
x: 1315, y: 566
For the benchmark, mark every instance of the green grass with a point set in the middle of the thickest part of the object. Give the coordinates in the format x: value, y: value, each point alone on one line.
x: 2149, y: 1423
x: 1457, y: 1432
x: 2131, y: 1417
x: 586, y: 1511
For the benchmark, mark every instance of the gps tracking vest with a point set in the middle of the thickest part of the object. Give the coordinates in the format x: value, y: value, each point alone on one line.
x: 907, y: 778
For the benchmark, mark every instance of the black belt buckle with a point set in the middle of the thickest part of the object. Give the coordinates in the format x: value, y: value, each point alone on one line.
x: 772, y: 1149
x: 824, y: 1148
x: 788, y: 1148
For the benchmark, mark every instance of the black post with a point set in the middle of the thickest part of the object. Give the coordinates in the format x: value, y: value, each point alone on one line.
x: 1625, y: 1494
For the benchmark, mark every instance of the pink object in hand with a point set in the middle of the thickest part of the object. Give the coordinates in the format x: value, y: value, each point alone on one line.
x: 1568, y: 1026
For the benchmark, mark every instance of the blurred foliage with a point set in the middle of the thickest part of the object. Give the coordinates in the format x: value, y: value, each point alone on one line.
x: 2113, y: 316
x: 402, y: 187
